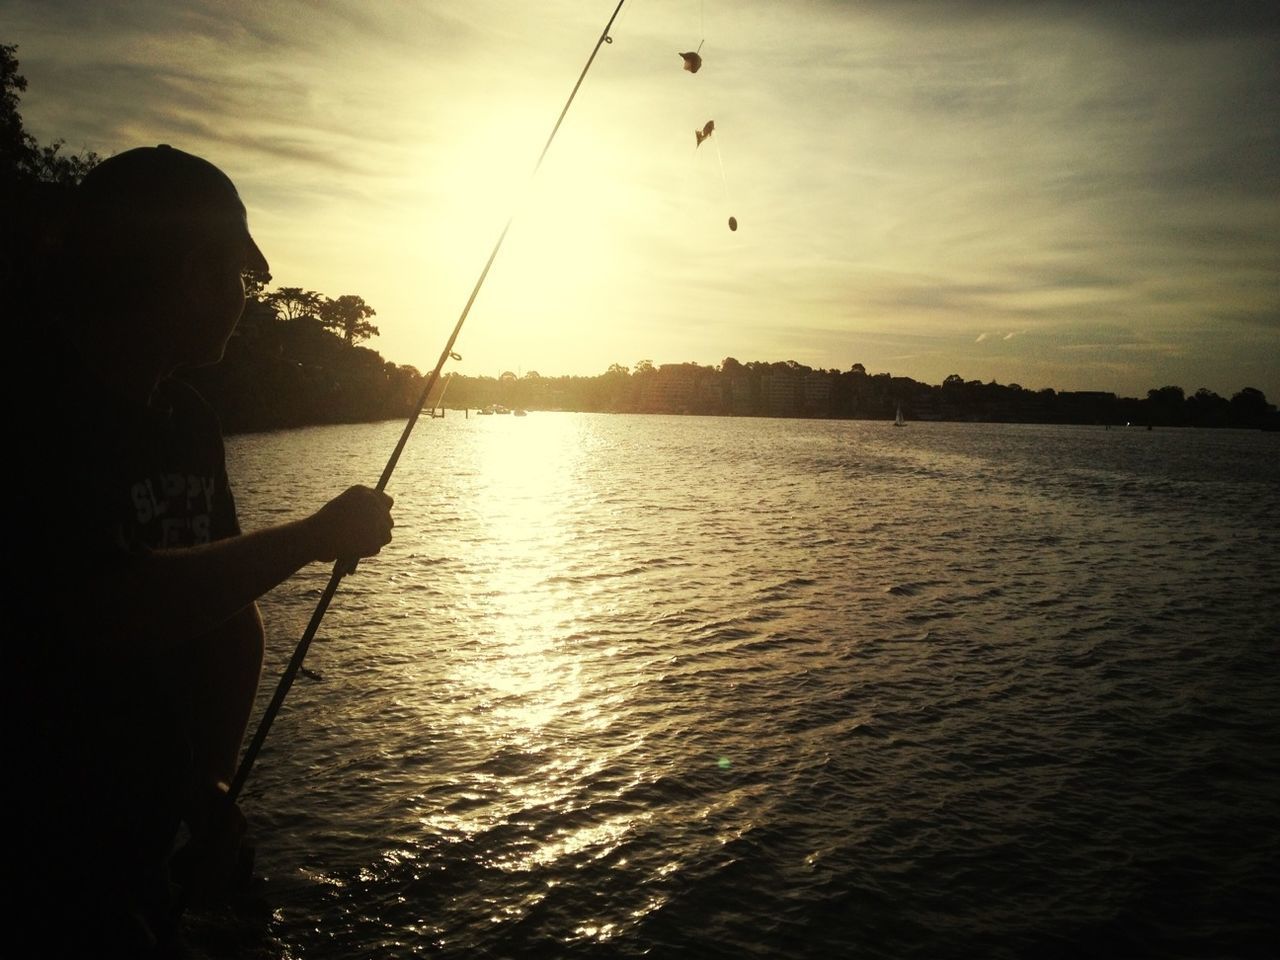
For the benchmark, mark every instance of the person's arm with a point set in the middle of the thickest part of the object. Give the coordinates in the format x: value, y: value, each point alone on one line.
x: 164, y: 597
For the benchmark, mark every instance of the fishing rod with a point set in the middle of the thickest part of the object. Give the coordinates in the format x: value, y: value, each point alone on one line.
x: 343, y: 567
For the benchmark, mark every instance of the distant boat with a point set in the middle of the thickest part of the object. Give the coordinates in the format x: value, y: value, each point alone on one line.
x: 486, y: 411
x: 898, y: 421
x: 519, y: 412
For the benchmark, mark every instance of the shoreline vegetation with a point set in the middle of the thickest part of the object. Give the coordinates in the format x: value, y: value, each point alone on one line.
x: 279, y: 374
x: 296, y: 358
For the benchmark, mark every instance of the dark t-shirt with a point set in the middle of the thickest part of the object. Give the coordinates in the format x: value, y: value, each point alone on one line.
x: 155, y: 477
x: 98, y: 735
x: 176, y: 477
x: 119, y: 481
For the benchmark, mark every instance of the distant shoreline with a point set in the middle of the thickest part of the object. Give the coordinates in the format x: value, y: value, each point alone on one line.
x: 756, y: 389
x: 467, y: 412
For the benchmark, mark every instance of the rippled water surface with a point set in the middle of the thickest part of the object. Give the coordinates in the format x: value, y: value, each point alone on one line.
x: 650, y: 686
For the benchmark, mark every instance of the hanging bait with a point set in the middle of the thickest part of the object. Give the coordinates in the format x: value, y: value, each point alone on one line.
x: 693, y: 63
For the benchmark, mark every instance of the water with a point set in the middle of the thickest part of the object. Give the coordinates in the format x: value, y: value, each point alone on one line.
x: 659, y: 686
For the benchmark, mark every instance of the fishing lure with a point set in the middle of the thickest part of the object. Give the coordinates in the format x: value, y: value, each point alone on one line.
x: 705, y: 132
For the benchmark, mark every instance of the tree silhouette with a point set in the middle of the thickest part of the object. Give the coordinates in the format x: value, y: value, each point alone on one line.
x: 1249, y: 407
x: 1165, y: 405
x: 254, y: 283
x: 294, y: 303
x: 21, y: 157
x: 1206, y: 409
x: 35, y: 188
x: 348, y: 316
x: 17, y: 147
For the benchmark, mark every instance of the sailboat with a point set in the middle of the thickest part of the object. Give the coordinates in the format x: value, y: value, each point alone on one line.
x: 898, y: 421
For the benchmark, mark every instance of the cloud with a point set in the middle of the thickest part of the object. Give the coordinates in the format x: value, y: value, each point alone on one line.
x: 1143, y: 19
x: 1034, y: 171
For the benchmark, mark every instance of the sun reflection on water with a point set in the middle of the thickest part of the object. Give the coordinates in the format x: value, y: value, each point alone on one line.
x: 523, y: 667
x: 533, y: 695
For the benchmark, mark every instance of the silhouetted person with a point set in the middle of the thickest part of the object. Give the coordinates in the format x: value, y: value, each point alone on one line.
x: 131, y: 689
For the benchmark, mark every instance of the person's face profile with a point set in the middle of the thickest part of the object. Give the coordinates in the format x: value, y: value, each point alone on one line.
x: 213, y: 294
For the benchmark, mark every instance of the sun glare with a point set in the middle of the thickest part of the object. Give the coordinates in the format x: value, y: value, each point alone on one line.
x: 559, y: 259
x: 529, y: 676
x: 530, y: 689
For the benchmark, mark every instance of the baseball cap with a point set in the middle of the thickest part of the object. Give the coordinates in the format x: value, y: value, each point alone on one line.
x: 166, y: 192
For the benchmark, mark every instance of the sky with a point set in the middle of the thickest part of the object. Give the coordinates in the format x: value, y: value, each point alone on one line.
x: 1079, y: 195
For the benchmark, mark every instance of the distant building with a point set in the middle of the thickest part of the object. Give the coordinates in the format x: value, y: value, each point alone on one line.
x: 670, y: 389
x: 780, y: 392
x: 817, y: 392
x: 740, y: 399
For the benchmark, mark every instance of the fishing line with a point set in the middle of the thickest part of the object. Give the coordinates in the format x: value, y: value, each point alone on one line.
x: 344, y: 566
x: 711, y: 132
x: 723, y: 180
x: 692, y: 64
